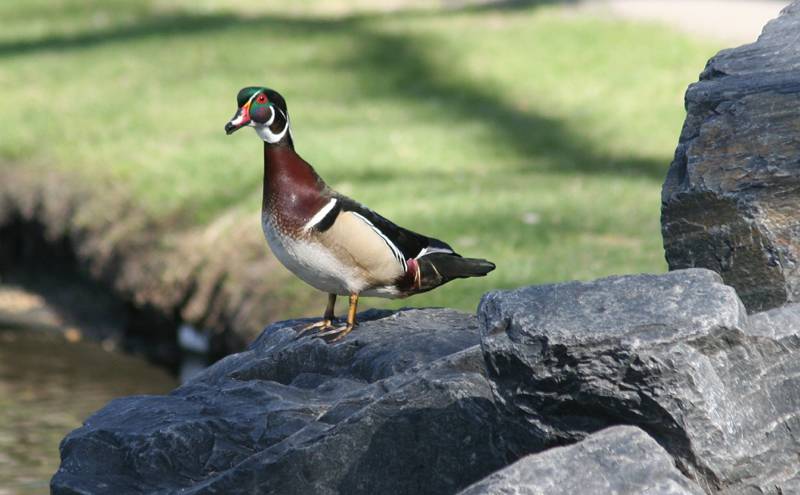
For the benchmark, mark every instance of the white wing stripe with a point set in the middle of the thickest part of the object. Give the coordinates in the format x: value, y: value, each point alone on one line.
x: 430, y: 250
x: 317, y: 218
x: 397, y: 253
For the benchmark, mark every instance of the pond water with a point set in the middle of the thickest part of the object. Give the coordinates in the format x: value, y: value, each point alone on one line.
x: 48, y: 386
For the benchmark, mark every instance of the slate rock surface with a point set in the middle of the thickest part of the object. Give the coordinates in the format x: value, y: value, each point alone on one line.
x: 731, y: 199
x: 674, y: 354
x: 432, y: 401
x: 400, y: 406
x: 623, y: 460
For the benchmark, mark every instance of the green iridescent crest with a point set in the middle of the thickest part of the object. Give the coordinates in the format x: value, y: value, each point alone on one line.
x: 246, y: 93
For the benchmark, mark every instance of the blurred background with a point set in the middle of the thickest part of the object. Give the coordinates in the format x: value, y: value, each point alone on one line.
x: 532, y: 133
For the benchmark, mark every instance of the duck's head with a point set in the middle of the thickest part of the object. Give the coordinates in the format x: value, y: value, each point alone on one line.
x: 264, y: 110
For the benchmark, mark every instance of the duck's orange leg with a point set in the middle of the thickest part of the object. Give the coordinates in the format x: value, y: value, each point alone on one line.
x: 339, y: 333
x: 327, y: 319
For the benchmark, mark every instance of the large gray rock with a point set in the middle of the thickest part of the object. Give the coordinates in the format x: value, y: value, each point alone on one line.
x: 731, y: 199
x: 673, y: 354
x: 400, y: 406
x: 622, y: 460
x: 409, y: 403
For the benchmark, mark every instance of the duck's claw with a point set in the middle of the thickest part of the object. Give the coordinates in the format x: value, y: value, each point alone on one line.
x: 335, y: 334
x: 322, y: 326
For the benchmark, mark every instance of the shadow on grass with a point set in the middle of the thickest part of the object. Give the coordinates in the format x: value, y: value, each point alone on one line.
x: 512, y: 4
x: 164, y: 26
x: 393, y: 66
x: 405, y: 71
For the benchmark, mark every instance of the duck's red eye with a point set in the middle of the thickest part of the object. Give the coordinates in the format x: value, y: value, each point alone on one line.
x: 261, y: 98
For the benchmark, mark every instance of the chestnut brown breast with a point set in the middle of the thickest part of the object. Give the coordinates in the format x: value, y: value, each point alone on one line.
x: 293, y: 192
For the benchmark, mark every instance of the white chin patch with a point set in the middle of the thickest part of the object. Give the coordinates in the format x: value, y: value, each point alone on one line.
x: 266, y: 134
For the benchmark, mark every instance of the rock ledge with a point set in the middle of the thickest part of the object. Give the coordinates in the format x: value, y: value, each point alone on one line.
x: 432, y: 401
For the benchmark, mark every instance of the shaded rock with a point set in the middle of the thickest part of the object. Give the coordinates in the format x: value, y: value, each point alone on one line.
x: 731, y: 198
x: 620, y: 460
x: 673, y: 354
x: 400, y: 406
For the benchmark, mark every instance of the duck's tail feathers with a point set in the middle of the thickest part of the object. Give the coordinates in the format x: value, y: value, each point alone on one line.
x: 439, y: 268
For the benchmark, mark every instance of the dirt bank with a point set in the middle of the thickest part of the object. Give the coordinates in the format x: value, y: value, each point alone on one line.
x: 220, y: 279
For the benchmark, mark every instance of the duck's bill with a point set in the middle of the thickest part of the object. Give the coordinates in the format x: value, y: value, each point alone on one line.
x: 239, y: 120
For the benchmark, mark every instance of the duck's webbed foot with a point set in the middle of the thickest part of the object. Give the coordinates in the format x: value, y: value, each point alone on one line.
x: 324, y: 325
x: 336, y: 334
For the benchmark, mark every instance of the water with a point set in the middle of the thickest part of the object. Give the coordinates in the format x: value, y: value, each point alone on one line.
x: 48, y: 386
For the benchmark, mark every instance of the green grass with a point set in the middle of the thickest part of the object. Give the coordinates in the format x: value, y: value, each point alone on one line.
x: 536, y: 137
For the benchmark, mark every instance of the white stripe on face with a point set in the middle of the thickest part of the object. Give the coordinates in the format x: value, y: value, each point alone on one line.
x: 317, y: 218
x: 271, y: 116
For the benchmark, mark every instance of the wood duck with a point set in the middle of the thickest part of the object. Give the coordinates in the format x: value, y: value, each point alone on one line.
x: 330, y: 241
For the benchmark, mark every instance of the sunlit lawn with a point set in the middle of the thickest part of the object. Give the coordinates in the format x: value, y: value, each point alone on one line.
x: 536, y: 137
